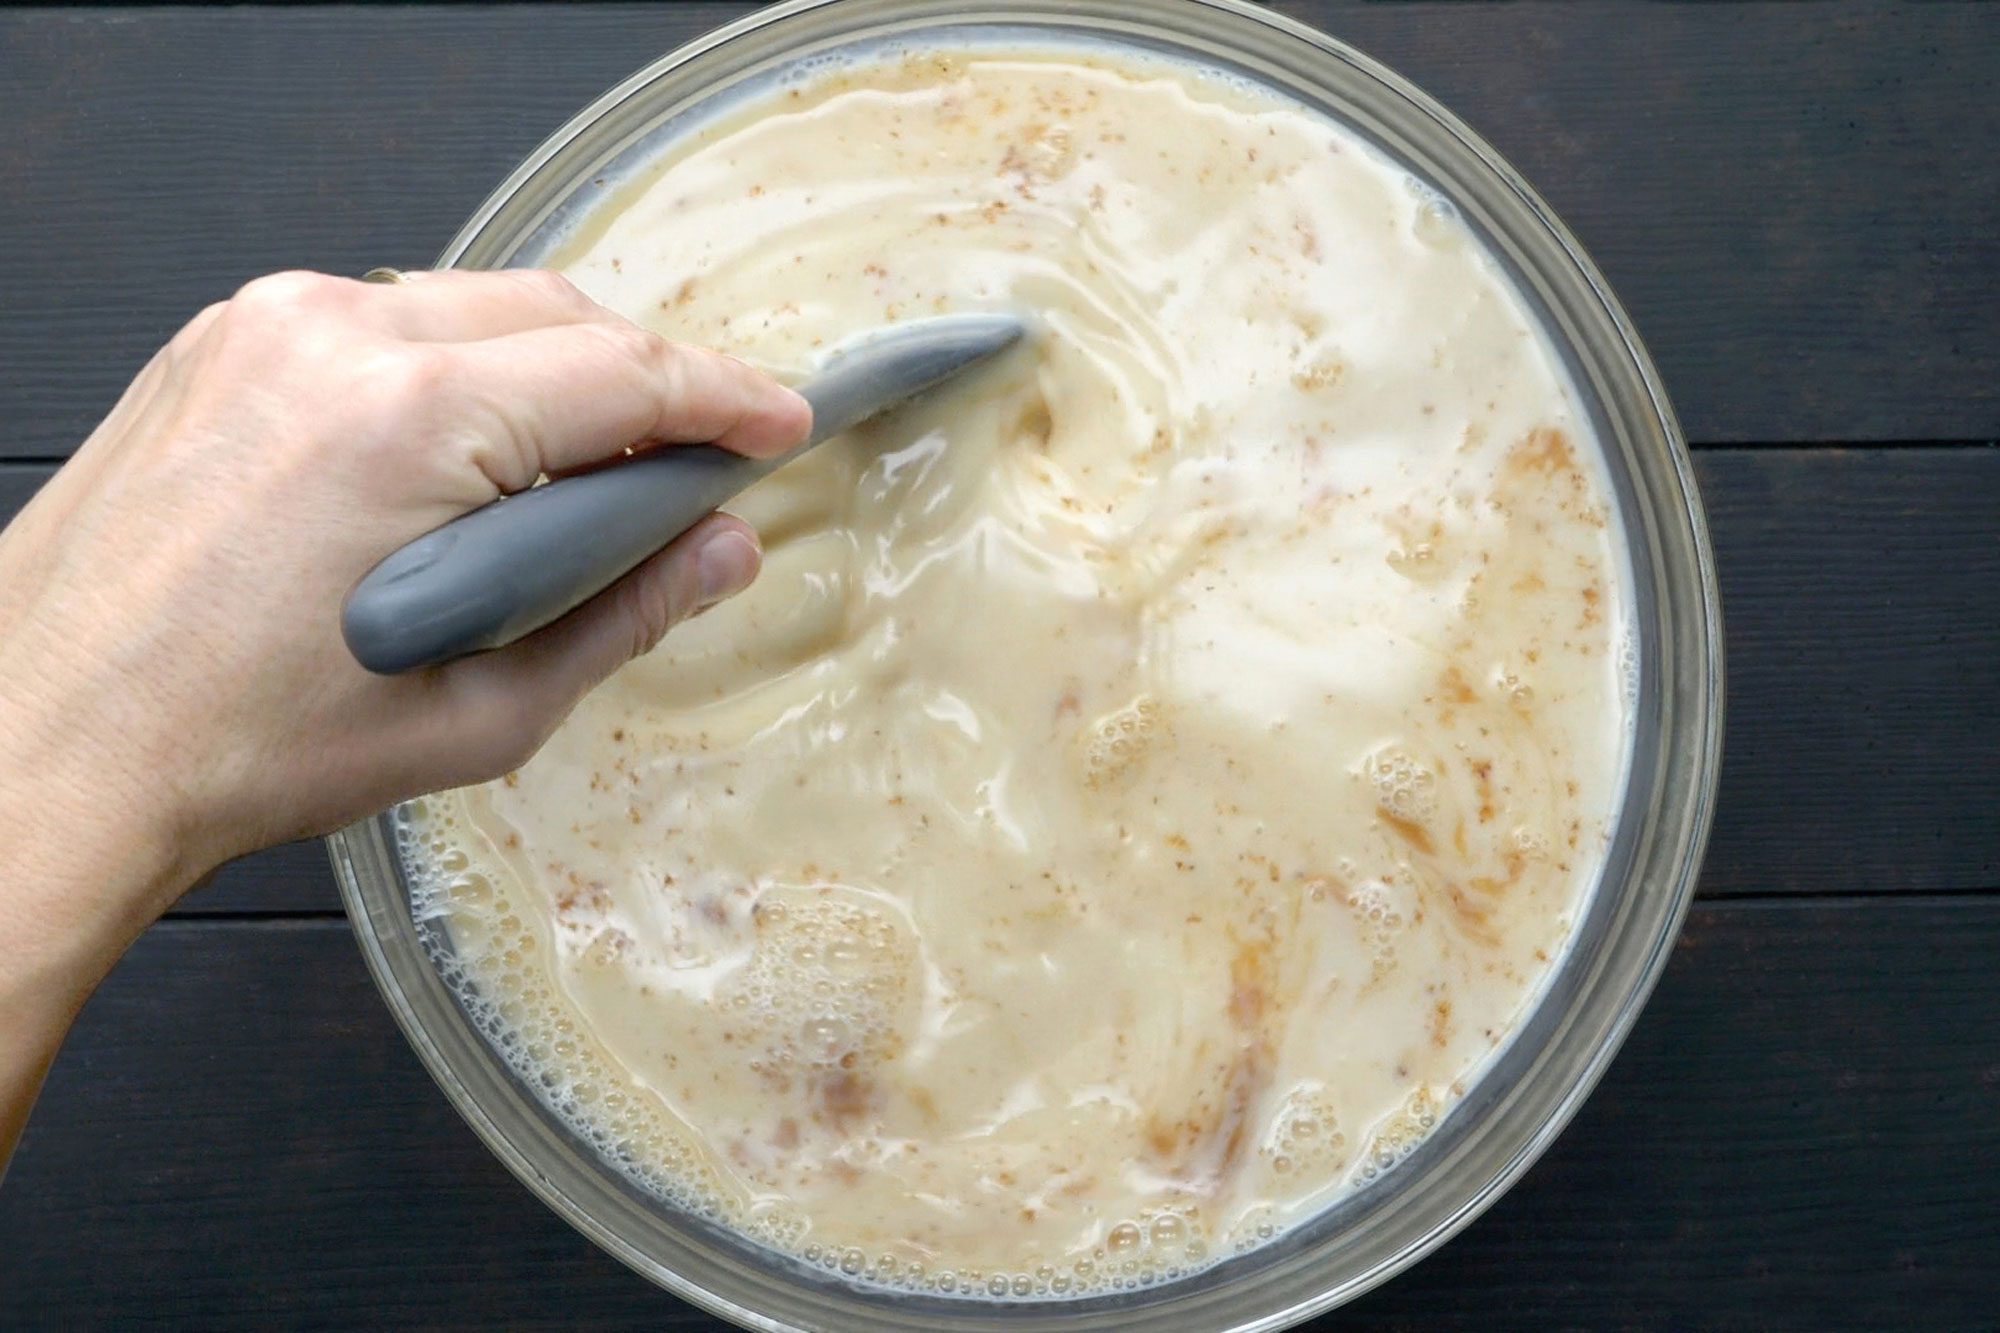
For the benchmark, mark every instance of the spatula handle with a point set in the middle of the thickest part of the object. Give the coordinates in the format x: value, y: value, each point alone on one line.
x: 505, y: 570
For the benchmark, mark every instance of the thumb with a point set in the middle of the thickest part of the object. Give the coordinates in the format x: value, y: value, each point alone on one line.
x: 536, y: 682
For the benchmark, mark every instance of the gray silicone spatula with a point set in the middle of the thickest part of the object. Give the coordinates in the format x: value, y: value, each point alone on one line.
x: 507, y: 569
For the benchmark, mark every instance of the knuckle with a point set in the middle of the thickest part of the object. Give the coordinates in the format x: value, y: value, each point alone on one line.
x: 649, y: 607
x: 280, y: 317
x: 184, y: 340
x: 204, y: 317
x: 287, y: 292
x: 640, y: 346
x: 544, y: 285
x: 494, y: 442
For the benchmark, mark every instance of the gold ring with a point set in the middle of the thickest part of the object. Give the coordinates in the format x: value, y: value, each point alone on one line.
x: 385, y: 275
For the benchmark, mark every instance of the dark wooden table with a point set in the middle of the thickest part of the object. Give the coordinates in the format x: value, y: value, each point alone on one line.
x: 1800, y: 207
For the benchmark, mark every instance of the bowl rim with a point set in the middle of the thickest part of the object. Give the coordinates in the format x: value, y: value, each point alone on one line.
x: 356, y: 849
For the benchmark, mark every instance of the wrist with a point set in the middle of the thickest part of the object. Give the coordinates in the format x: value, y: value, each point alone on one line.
x: 75, y: 891
x: 89, y: 861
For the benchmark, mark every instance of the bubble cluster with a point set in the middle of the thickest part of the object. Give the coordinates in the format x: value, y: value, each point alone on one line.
x: 1128, y: 1259
x: 1257, y: 1224
x: 1626, y: 656
x: 829, y: 982
x: 1155, y: 1245
x: 1379, y: 914
x: 1405, y: 786
x: 490, y: 959
x: 1120, y: 740
x: 1436, y: 221
x: 776, y: 1223
x: 817, y: 67
x: 826, y: 985
x: 1398, y: 1134
x: 1305, y: 1136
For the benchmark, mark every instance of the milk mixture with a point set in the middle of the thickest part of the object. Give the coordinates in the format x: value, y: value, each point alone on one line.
x: 1150, y: 775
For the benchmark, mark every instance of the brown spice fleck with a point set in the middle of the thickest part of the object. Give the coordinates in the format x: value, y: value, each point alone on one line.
x: 1544, y: 450
x: 844, y: 1098
x: 1037, y: 424
x: 1162, y: 1137
x: 1440, y: 1024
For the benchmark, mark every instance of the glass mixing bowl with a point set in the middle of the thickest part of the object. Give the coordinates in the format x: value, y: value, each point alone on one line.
x: 1624, y: 931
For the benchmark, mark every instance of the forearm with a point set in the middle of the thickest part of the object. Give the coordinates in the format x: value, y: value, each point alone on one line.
x: 83, y: 870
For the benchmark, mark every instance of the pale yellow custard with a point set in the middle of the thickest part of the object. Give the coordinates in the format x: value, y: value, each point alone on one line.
x: 1151, y: 775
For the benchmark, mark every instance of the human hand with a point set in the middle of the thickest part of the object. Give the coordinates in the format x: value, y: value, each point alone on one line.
x: 169, y: 603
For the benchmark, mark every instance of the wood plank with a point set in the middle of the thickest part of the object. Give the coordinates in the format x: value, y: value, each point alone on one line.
x: 18, y: 484
x: 1799, y: 1135
x: 1800, y: 206
x: 1861, y: 594
x: 1861, y: 609
x: 294, y: 878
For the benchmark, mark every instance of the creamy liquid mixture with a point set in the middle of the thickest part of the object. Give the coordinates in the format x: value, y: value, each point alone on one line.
x: 1149, y: 777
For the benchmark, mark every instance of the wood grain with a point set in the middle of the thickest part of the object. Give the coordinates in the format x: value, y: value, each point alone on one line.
x: 1799, y: 1135
x: 1800, y: 205
x: 1861, y: 610
x: 1861, y: 595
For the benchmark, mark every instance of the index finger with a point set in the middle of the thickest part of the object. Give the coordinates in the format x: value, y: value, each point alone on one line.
x: 466, y: 305
x: 559, y: 399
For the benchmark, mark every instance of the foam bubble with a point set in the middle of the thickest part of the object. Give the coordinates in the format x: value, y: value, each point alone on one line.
x: 1626, y: 656
x: 1517, y: 689
x: 1397, y: 1135
x: 1405, y: 786
x: 1119, y: 740
x: 1305, y: 1132
x: 1381, y: 916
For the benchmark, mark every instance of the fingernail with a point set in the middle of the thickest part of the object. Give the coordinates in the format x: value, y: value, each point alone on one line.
x: 802, y: 406
x: 724, y: 566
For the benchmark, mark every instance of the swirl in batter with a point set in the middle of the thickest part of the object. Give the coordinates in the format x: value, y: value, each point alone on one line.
x: 1149, y: 777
